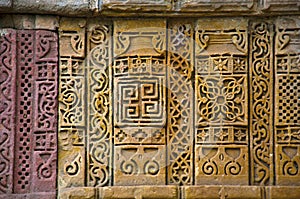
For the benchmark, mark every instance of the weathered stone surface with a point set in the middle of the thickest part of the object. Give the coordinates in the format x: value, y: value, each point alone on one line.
x: 7, y: 108
x: 28, y: 111
x: 136, y: 5
x: 151, y: 7
x: 278, y: 192
x: 287, y: 108
x: 276, y: 5
x: 115, y: 192
x: 5, y: 4
x: 261, y: 122
x: 79, y: 193
x: 145, y: 108
x: 221, y: 137
x: 175, y: 106
x: 69, y: 7
x: 47, y: 22
x: 71, y: 135
x: 213, y: 6
x: 48, y: 195
x: 163, y: 192
x: 210, y: 192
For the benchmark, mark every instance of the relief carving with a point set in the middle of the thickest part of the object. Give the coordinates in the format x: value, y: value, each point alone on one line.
x: 175, y: 102
x: 221, y: 102
x: 261, y: 96
x: 28, y: 105
x: 287, y: 80
x: 139, y: 102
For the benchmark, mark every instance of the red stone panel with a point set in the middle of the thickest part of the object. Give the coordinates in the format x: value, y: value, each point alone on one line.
x: 7, y: 108
x: 28, y: 108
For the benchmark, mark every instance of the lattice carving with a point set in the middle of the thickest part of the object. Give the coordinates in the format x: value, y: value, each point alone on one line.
x: 25, y: 77
x: 287, y: 99
x: 141, y: 103
x: 260, y: 102
x: 221, y: 102
x: 28, y: 105
x: 180, y: 103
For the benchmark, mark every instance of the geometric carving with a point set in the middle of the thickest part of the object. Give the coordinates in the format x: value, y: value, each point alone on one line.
x: 28, y: 111
x: 24, y: 120
x: 142, y: 106
x: 71, y: 110
x: 180, y: 103
x: 221, y: 114
x: 138, y: 135
x: 287, y: 121
x: 288, y: 96
x: 139, y: 102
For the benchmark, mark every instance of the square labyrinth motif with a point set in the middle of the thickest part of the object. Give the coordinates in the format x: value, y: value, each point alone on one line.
x: 140, y: 101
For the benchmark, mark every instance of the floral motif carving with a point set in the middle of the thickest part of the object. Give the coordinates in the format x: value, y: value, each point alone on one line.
x: 221, y: 162
x: 221, y: 115
x: 194, y: 105
x: 100, y: 111
x: 221, y: 100
x: 7, y: 109
x: 261, y: 98
x: 144, y: 164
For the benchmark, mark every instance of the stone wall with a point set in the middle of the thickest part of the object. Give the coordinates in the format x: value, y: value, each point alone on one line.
x: 150, y: 99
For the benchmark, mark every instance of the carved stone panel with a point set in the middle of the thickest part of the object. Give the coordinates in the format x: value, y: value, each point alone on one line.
x: 28, y: 111
x: 71, y: 111
x: 221, y: 117
x: 151, y: 102
x: 180, y: 102
x: 261, y: 97
x: 287, y: 99
x: 7, y: 108
x: 139, y: 102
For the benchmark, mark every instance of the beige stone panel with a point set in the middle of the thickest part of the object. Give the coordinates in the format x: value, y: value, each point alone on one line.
x: 215, y: 192
x: 149, y: 192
